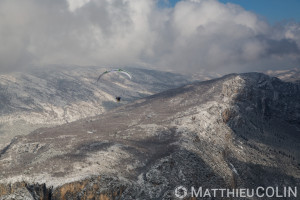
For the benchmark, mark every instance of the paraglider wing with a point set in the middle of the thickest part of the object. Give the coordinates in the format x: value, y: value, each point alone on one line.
x: 114, y: 70
x: 124, y: 72
x: 102, y: 75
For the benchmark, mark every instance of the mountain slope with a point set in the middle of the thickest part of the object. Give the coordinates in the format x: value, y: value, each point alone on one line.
x: 242, y: 130
x: 49, y: 97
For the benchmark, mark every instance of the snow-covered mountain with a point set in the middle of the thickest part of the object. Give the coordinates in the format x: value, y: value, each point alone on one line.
x: 238, y: 131
x: 47, y: 97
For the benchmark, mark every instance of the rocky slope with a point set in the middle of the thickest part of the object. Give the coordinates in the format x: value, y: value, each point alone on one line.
x: 238, y: 131
x: 58, y: 95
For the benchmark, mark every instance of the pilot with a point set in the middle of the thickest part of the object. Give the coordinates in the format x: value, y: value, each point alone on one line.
x: 118, y: 99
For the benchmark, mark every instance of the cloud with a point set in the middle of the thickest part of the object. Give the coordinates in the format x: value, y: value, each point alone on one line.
x: 192, y: 36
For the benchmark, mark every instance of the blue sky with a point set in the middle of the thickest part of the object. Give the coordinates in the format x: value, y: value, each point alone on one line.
x: 272, y: 10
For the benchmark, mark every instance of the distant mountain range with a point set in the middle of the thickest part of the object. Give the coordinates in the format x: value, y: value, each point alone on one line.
x: 291, y: 75
x: 48, y: 97
x: 238, y: 131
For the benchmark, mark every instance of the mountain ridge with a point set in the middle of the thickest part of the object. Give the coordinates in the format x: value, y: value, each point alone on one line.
x: 241, y: 130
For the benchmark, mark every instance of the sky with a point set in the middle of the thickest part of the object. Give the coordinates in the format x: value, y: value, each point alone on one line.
x: 180, y: 36
x: 273, y: 10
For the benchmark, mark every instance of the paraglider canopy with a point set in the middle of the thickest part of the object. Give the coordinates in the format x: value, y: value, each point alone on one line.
x: 118, y: 98
x: 114, y: 71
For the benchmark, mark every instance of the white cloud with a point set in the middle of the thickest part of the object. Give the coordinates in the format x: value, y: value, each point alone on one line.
x: 75, y: 4
x: 194, y: 35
